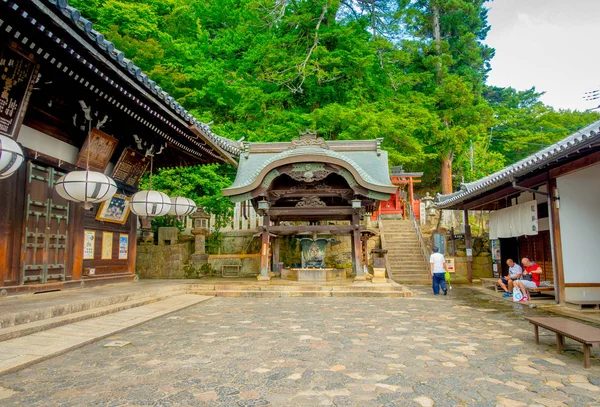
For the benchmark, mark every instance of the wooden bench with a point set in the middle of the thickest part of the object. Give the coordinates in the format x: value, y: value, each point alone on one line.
x: 595, y: 304
x: 490, y: 282
x: 587, y: 335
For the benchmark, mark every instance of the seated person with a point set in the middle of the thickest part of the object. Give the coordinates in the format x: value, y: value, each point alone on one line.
x: 514, y: 273
x: 531, y: 278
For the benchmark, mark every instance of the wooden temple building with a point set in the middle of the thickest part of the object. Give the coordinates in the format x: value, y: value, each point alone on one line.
x: 559, y: 188
x: 64, y: 87
x: 312, y: 186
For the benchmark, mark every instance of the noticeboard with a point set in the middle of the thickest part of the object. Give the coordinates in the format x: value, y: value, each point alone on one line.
x: 17, y: 74
x: 130, y: 167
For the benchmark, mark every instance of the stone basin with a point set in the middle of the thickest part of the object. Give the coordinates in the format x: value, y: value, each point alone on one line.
x: 313, y: 274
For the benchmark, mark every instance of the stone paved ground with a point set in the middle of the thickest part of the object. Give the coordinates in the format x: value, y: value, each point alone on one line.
x: 464, y: 349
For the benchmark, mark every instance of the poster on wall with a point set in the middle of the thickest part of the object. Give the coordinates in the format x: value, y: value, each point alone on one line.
x: 450, y: 265
x: 115, y: 210
x: 18, y: 76
x: 496, y: 249
x: 101, y: 147
x: 123, y: 246
x: 107, y: 244
x: 89, y: 242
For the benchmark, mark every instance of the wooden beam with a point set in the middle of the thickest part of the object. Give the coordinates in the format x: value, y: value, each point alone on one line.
x: 468, y: 246
x: 579, y: 164
x: 557, y: 244
x: 333, y: 229
x: 573, y: 285
x: 490, y: 196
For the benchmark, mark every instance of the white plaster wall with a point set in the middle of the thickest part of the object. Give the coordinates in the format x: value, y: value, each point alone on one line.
x: 579, y: 214
x: 43, y: 143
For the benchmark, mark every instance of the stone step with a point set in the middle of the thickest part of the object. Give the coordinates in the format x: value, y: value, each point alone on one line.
x: 25, y: 329
x: 333, y: 293
x: 35, y: 306
x: 41, y: 346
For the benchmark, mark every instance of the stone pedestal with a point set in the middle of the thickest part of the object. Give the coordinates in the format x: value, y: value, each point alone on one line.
x: 379, y: 275
x: 199, y: 258
x: 167, y: 234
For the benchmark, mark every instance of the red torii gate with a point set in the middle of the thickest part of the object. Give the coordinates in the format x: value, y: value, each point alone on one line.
x: 396, y: 205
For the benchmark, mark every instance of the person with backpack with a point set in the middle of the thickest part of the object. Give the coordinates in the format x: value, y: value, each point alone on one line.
x: 437, y: 263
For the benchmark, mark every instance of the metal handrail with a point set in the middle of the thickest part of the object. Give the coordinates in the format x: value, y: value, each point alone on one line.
x: 424, y: 249
x: 383, y: 244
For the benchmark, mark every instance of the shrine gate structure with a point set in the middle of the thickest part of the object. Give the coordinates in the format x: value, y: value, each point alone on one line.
x: 311, y: 185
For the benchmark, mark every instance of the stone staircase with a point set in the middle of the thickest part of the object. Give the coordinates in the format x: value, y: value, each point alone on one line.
x: 404, y: 253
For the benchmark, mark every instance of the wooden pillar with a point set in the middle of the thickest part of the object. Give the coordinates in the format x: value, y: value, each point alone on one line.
x: 468, y: 246
x: 132, y: 249
x: 559, y: 272
x: 365, y: 249
x: 264, y: 251
x: 76, y: 234
x: 275, y: 248
x: 356, y: 248
x: 411, y: 194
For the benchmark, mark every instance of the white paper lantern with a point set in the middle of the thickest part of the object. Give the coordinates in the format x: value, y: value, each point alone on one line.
x: 11, y: 157
x: 181, y: 206
x: 150, y: 203
x: 86, y: 186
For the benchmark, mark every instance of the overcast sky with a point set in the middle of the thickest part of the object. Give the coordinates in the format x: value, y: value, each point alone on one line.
x: 553, y: 45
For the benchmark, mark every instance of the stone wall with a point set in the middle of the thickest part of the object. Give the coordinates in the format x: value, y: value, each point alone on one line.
x: 163, y: 261
x: 237, y: 247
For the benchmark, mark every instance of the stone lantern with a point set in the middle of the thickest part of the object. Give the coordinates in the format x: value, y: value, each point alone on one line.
x: 200, y: 229
x: 429, y: 207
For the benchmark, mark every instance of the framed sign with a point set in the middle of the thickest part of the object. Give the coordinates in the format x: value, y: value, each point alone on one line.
x: 123, y: 246
x: 101, y: 147
x: 107, y: 244
x: 130, y: 167
x: 17, y: 76
x: 450, y: 265
x: 115, y: 210
x: 89, y: 243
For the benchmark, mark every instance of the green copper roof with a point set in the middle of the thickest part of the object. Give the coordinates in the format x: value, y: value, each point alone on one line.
x: 365, y: 158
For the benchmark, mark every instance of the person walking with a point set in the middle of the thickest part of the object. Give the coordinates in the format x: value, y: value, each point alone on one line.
x: 438, y: 266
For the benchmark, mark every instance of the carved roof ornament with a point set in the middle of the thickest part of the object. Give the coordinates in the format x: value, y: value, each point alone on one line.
x: 309, y: 139
x: 310, y: 202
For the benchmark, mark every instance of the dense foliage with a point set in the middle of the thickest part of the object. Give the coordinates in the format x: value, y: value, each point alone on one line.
x: 410, y: 72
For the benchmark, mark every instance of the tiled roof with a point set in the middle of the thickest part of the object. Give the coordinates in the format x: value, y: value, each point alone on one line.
x: 108, y: 48
x: 580, y: 139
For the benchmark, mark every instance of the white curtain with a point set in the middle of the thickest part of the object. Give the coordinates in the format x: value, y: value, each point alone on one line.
x: 514, y: 221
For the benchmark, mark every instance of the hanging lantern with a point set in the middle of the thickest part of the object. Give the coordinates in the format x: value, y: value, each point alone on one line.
x: 150, y: 203
x: 86, y: 186
x: 181, y: 206
x: 11, y: 157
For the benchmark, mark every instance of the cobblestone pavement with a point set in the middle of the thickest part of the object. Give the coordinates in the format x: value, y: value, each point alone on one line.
x: 464, y: 349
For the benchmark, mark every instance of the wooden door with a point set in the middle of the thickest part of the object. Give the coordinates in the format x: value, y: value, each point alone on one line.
x: 45, y: 234
x: 539, y: 249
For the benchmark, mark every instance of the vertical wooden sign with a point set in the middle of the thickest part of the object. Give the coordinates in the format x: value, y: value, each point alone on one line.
x: 17, y: 76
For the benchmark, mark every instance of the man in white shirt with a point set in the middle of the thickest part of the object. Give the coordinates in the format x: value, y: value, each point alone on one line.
x: 438, y: 266
x: 514, y: 273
